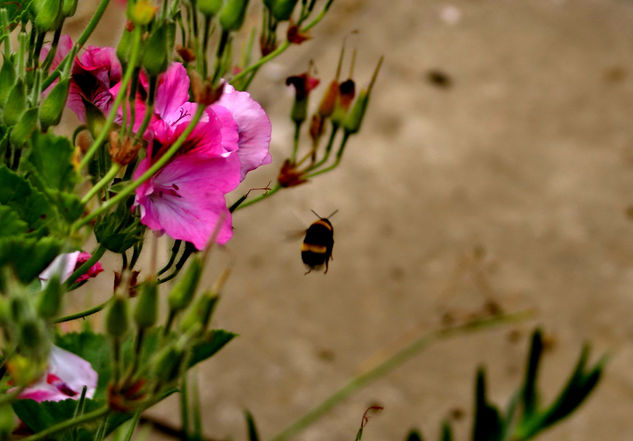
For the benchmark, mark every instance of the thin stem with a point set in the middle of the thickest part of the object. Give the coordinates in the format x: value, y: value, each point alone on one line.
x: 184, y: 407
x: 268, y: 194
x: 92, y: 24
x: 133, y: 424
x: 145, y: 176
x: 295, y: 144
x: 117, y: 102
x: 328, y: 148
x: 85, y: 418
x: 392, y: 362
x: 114, y: 169
x: 83, y: 314
x: 339, y: 155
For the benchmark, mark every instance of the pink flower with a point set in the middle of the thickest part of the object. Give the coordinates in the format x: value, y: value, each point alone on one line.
x: 66, y: 264
x: 94, y: 74
x: 253, y: 125
x: 185, y: 198
x: 65, y: 377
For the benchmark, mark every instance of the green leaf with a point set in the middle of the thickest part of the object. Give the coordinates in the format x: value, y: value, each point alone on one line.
x: 28, y: 256
x: 414, y: 435
x: 18, y: 9
x: 11, y: 223
x: 447, y: 433
x: 529, y: 396
x: 251, y: 427
x: 51, y: 157
x: 17, y: 193
x: 488, y: 425
x: 211, y: 343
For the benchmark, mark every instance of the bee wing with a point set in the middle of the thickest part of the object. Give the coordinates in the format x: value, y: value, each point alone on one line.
x: 295, y: 235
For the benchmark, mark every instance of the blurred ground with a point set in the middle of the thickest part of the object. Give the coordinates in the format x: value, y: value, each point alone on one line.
x: 510, y: 185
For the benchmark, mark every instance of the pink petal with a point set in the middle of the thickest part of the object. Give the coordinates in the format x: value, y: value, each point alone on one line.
x: 186, y: 197
x: 254, y: 128
x: 172, y: 92
x: 63, y: 266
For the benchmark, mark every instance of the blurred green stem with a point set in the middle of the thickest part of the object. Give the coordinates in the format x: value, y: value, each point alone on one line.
x: 392, y: 362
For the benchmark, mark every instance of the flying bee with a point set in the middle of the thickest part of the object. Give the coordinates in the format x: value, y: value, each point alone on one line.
x: 316, y: 248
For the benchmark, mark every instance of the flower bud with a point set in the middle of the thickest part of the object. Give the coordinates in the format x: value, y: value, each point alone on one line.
x: 142, y: 12
x: 168, y: 364
x: 209, y: 7
x: 34, y: 339
x: 155, y: 55
x: 95, y: 120
x: 23, y: 370
x: 303, y: 85
x: 232, y: 14
x: 53, y: 106
x: 7, y: 80
x: 182, y: 293
x: 354, y: 119
x: 25, y: 127
x: 50, y: 299
x: 281, y: 9
x: 326, y: 107
x: 147, y: 305
x: 124, y: 47
x: 15, y: 104
x: 69, y: 7
x: 200, y: 312
x: 48, y: 14
x: 346, y: 94
x: 117, y: 318
x: 7, y: 421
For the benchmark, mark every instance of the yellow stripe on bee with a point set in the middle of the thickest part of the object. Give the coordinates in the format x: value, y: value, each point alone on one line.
x: 313, y: 248
x: 325, y: 224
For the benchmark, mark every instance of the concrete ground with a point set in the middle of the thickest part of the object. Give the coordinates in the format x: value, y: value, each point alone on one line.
x: 509, y: 183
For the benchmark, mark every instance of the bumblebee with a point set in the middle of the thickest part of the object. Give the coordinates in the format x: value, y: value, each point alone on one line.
x: 316, y: 249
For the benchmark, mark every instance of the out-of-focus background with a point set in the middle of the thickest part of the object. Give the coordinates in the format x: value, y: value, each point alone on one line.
x: 506, y: 181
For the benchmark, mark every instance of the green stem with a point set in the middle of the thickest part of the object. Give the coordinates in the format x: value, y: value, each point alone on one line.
x: 92, y: 24
x: 133, y: 424
x: 392, y: 362
x: 337, y: 161
x: 269, y: 193
x: 114, y: 169
x: 117, y: 102
x: 184, y: 407
x: 96, y: 255
x: 145, y: 176
x: 85, y: 418
x: 83, y: 314
x: 295, y: 144
x: 328, y: 148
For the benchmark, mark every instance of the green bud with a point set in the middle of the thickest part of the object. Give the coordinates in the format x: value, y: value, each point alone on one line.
x: 48, y: 14
x: 7, y: 422
x: 15, y: 104
x: 147, y: 305
x: 23, y: 130
x: 200, y: 312
x: 7, y: 80
x: 124, y: 47
x: 282, y: 9
x: 209, y: 7
x: 182, y: 293
x: 168, y: 364
x: 53, y: 106
x: 142, y: 12
x: 18, y: 309
x: 34, y: 341
x: 154, y: 58
x: 69, y: 7
x: 299, y: 110
x: 49, y: 302
x: 232, y: 14
x: 117, y: 318
x: 354, y: 118
x: 95, y: 120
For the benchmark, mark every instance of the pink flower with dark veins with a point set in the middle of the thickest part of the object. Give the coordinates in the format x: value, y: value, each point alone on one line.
x: 65, y: 377
x: 185, y: 198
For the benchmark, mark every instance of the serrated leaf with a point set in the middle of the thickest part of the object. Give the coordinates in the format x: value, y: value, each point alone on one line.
x: 51, y: 156
x: 17, y: 193
x: 28, y: 256
x: 11, y: 223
